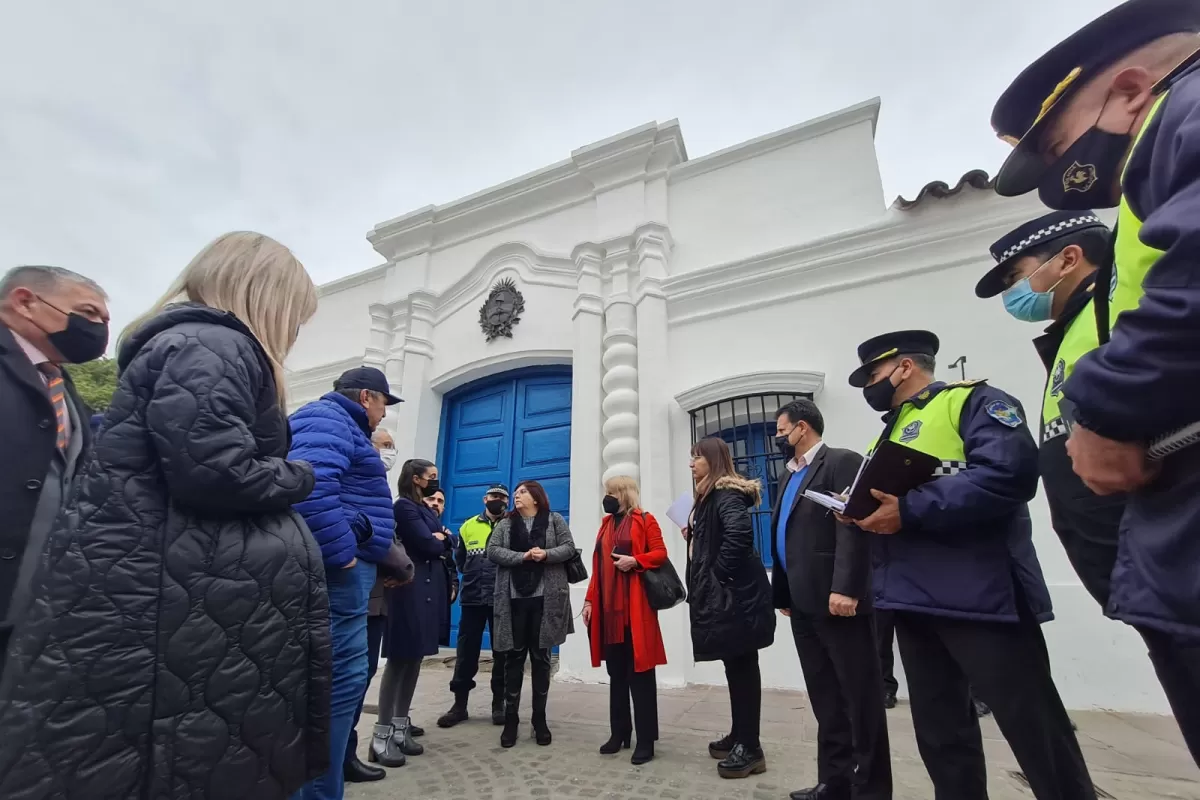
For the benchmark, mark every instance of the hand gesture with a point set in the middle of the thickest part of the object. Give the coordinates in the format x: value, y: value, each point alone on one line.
x: 439, y: 535
x: 1107, y: 466
x: 353, y: 563
x: 886, y: 518
x: 587, y: 614
x: 842, y: 606
x: 536, y: 553
x: 624, y: 563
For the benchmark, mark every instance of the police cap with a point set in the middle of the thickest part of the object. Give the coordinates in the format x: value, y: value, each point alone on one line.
x: 1033, y: 235
x: 887, y: 345
x: 1026, y: 107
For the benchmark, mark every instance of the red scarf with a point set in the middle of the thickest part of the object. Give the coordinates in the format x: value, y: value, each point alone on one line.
x: 614, y: 584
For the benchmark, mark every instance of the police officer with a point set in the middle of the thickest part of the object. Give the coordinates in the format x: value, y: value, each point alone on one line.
x: 955, y: 562
x: 475, y: 604
x: 1111, y: 117
x: 1046, y: 271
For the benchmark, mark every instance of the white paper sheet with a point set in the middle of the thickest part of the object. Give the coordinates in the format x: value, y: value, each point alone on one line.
x: 681, y: 510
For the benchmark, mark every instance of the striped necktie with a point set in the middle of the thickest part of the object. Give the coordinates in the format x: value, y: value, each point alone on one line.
x: 58, y: 398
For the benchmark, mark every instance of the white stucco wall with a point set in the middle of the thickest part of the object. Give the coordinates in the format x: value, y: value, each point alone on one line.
x: 774, y: 258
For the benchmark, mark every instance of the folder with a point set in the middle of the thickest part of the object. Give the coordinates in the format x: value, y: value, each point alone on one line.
x: 893, y: 468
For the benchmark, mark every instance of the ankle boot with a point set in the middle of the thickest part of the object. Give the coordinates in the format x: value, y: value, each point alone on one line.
x: 615, y: 743
x: 498, y: 710
x: 456, y: 714
x: 541, y: 731
x: 383, y: 747
x: 355, y: 771
x: 643, y: 753
x: 512, y: 723
x: 403, y: 739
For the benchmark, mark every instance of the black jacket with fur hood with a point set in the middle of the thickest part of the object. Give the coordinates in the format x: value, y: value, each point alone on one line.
x: 728, y: 590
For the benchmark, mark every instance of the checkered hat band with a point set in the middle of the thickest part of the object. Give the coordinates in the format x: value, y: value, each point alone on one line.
x: 1053, y: 230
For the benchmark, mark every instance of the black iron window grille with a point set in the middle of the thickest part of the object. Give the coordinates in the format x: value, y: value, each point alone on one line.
x: 747, y: 424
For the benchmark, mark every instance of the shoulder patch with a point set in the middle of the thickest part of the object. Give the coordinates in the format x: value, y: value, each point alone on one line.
x: 967, y: 382
x: 1005, y: 413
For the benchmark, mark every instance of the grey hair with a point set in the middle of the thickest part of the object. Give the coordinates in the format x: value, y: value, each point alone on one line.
x: 44, y: 279
x: 924, y: 361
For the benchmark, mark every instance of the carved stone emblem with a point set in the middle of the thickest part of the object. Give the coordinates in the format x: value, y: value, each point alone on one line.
x: 502, y: 310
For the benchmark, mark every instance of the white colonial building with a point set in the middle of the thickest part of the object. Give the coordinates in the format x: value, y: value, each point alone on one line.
x: 666, y: 298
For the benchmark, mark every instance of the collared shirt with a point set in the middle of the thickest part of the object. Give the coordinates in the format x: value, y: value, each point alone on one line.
x: 798, y: 467
x: 38, y: 358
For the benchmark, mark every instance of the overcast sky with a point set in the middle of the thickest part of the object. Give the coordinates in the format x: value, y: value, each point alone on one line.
x: 133, y: 132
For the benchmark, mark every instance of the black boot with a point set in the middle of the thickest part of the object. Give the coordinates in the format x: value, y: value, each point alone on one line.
x: 742, y: 762
x: 541, y: 731
x: 512, y: 724
x: 404, y: 740
x: 889, y: 699
x: 498, y: 710
x: 615, y: 743
x: 456, y: 714
x: 643, y: 753
x: 355, y: 771
x: 721, y: 748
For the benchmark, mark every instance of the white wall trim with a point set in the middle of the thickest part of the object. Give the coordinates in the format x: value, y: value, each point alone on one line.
x: 533, y: 267
x: 312, y: 382
x: 775, y: 382
x: 867, y: 111
x: 494, y: 365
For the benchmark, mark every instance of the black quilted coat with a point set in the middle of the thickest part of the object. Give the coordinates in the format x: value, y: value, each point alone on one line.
x: 178, y: 646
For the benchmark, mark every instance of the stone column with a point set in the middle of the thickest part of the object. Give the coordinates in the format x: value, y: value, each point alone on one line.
x: 620, y: 362
x: 419, y: 416
x: 575, y: 659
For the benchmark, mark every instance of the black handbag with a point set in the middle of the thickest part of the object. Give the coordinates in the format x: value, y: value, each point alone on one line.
x: 576, y: 571
x: 662, y: 586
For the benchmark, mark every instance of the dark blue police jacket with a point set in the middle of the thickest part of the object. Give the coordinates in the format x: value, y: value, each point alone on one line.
x: 1146, y: 381
x: 966, y: 545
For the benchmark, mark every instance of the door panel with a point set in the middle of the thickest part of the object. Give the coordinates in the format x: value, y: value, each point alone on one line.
x: 508, y: 429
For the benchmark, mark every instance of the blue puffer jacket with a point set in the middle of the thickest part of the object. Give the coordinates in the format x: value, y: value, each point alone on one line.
x: 331, y: 434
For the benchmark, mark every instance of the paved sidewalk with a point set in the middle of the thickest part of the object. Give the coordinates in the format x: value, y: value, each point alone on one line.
x: 1131, y: 757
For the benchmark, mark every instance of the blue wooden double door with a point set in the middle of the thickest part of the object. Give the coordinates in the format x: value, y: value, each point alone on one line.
x: 507, y: 429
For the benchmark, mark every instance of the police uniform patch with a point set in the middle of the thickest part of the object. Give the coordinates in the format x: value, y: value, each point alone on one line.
x: 911, y: 431
x: 1004, y: 413
x: 1058, y: 377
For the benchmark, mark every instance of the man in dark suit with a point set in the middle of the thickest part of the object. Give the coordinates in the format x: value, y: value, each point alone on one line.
x: 48, y: 317
x: 822, y: 581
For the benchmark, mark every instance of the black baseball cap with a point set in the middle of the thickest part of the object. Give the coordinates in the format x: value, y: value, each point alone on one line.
x: 368, y: 378
x: 497, y: 488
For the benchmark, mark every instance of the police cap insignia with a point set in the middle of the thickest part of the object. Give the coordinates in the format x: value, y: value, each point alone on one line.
x: 1033, y: 99
x: 1005, y: 413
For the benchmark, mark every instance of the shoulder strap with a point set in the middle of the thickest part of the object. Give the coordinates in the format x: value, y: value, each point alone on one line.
x: 966, y: 384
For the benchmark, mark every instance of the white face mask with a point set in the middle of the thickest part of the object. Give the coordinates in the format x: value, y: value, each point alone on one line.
x: 389, y: 457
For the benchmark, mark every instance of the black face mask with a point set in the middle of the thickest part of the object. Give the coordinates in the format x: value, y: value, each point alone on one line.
x: 431, y: 488
x: 785, y: 448
x: 1087, y: 175
x: 496, y: 507
x: 82, y: 340
x: 611, y: 504
x: 879, y: 394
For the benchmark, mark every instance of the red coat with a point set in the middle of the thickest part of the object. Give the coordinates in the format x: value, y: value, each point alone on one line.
x: 650, y: 552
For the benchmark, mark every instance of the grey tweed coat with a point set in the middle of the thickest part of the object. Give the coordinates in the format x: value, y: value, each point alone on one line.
x: 557, y: 620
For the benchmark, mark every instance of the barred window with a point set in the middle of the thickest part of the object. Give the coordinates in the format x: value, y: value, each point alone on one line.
x: 747, y: 424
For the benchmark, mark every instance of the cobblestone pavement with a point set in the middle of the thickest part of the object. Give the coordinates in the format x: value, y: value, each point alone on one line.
x: 1131, y: 757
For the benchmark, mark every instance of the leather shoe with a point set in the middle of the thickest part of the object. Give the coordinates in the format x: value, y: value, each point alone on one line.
x: 822, y: 791
x: 355, y: 771
x: 889, y: 700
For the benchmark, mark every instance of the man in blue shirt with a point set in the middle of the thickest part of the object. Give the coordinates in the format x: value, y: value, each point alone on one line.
x: 822, y: 581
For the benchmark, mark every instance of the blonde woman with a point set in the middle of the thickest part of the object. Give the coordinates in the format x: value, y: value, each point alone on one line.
x: 622, y: 626
x: 178, y: 645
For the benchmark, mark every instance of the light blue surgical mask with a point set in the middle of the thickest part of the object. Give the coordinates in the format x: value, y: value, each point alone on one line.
x: 1025, y: 304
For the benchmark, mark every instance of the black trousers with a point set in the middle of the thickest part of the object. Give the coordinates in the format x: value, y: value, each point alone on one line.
x: 375, y: 626
x: 623, y: 684
x: 1006, y: 666
x: 471, y: 624
x: 842, y: 673
x: 885, y: 632
x: 745, y: 698
x: 1177, y: 663
x: 527, y: 628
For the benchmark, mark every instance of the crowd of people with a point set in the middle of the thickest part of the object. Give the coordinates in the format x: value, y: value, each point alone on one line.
x: 197, y: 589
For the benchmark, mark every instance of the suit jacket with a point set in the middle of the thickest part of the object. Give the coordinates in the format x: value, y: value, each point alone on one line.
x: 823, y: 556
x: 29, y: 434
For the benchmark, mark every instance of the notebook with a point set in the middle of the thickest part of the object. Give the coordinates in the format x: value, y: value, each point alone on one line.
x: 893, y: 468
